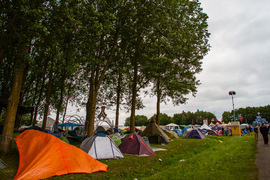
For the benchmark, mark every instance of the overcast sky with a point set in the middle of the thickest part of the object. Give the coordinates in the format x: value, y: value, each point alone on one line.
x: 239, y: 60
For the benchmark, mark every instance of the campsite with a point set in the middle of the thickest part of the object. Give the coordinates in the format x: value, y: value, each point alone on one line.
x: 221, y: 157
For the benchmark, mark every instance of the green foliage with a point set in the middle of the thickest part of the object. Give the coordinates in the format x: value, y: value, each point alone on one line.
x: 247, y: 114
x: 164, y: 118
x: 86, y: 44
x: 140, y: 120
x: 26, y: 120
x: 186, y: 118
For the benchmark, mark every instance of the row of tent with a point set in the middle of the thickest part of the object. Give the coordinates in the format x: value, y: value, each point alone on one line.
x: 43, y: 155
x: 100, y: 146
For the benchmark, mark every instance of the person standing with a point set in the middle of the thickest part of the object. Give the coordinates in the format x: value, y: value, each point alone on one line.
x: 264, y: 132
x: 256, y: 130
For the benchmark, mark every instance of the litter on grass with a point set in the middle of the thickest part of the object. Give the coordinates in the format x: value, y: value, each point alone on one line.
x: 158, y: 149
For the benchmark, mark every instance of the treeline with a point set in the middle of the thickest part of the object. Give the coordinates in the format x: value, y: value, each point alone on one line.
x: 94, y: 53
x: 248, y: 114
x: 184, y: 118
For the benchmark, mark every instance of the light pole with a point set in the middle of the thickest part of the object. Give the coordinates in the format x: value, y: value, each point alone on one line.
x: 233, y: 93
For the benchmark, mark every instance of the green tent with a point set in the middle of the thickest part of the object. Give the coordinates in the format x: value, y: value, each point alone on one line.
x: 171, y: 134
x: 146, y: 140
x: 155, y: 134
x: 183, y: 126
x: 116, y: 139
x: 3, y: 165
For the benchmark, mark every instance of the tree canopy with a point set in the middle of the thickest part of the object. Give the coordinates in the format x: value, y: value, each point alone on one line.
x: 247, y: 114
x: 53, y: 53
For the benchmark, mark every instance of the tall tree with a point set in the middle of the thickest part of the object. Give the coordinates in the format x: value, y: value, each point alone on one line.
x: 140, y: 24
x: 21, y: 22
x: 99, y: 54
x: 179, y: 42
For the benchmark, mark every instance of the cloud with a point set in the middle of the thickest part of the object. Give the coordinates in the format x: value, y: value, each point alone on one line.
x: 239, y: 60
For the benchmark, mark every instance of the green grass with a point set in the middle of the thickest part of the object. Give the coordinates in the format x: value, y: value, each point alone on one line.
x: 221, y: 157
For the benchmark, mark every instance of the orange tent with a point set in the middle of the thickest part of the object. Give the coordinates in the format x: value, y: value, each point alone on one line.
x: 42, y: 155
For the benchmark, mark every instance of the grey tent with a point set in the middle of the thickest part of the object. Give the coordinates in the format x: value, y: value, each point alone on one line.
x: 100, y: 146
x: 3, y: 165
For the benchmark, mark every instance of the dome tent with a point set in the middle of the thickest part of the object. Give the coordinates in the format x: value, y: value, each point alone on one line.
x: 135, y: 144
x: 100, y: 146
x: 194, y: 133
x: 178, y: 131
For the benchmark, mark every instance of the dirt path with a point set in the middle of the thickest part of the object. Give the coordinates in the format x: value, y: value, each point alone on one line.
x: 263, y: 159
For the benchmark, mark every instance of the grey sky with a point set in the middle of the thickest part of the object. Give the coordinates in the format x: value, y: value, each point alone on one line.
x: 239, y: 60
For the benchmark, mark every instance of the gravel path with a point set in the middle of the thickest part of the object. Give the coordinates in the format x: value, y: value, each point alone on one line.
x: 263, y: 159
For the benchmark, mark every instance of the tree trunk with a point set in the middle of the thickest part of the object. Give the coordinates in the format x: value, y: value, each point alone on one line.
x: 118, y: 99
x: 64, y: 115
x: 19, y: 116
x: 12, y: 107
x: 40, y: 95
x: 91, y: 109
x: 33, y: 102
x: 48, y: 96
x: 133, y: 100
x: 96, y: 79
x: 60, y: 101
x: 158, y: 103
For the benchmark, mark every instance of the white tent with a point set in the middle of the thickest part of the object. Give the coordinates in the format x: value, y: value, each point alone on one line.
x: 204, y: 126
x: 172, y: 126
x: 100, y: 146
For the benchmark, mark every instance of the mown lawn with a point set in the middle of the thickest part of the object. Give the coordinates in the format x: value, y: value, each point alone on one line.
x: 221, y: 157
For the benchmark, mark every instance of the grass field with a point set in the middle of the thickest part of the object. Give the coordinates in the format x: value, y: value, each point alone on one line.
x: 220, y: 157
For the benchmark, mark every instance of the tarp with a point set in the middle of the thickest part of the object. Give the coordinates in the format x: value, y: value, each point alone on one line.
x: 31, y: 127
x: 42, y: 155
x: 135, y: 144
x: 100, y: 146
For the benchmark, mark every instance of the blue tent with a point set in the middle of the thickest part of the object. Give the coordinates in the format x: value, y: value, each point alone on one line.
x: 65, y: 125
x: 184, y: 130
x: 179, y: 132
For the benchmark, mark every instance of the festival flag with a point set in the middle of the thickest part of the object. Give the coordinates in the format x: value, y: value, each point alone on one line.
x: 240, y: 118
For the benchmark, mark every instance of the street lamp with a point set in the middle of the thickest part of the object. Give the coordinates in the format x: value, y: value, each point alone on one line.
x: 233, y: 93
